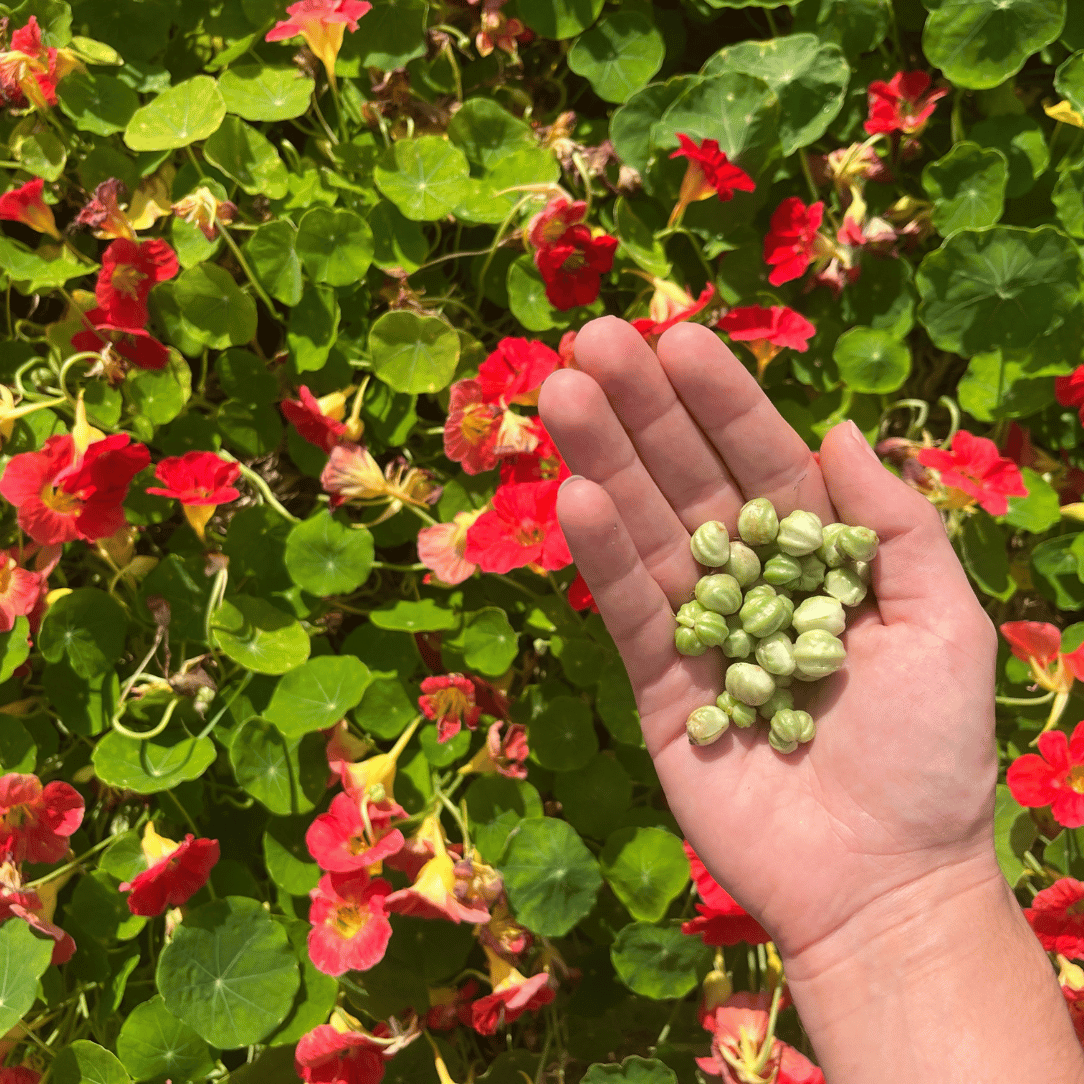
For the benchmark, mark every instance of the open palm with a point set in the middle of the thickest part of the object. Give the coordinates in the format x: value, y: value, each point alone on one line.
x: 899, y: 779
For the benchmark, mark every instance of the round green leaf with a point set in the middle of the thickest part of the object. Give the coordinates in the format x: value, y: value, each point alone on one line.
x: 286, y: 774
x: 84, y: 1062
x: 317, y: 694
x: 397, y: 242
x: 490, y: 644
x: 177, y: 117
x: 336, y: 246
x: 413, y: 353
x: 423, y: 177
x: 808, y: 76
x: 1069, y: 81
x: 408, y: 615
x: 244, y: 376
x: 88, y: 626
x: 1039, y: 510
x: 14, y: 647
x: 315, y: 997
x: 967, y: 187
x: 18, y: 751
x: 218, y: 312
x: 633, y: 1070
x: 656, y: 963
x: 646, y: 868
x: 441, y: 754
x: 229, y: 972
x: 153, y: 1042
x: 259, y: 92
x: 559, y: 19
x: 287, y: 857
x: 156, y: 394
x: 857, y: 26
x: 273, y: 257
x: 631, y: 125
x: 527, y: 296
x: 618, y: 55
x: 594, y: 798
x: 247, y: 157
x: 997, y: 288
x: 487, y: 133
x: 1021, y: 140
x: 153, y: 765
x: 97, y: 103
x: 23, y: 960
x: 250, y: 430
x: 871, y: 361
x: 550, y: 876
x: 393, y: 34
x: 980, y: 43
x: 258, y: 635
x: 326, y: 557
x: 563, y: 736
x: 314, y: 324
x: 1068, y: 200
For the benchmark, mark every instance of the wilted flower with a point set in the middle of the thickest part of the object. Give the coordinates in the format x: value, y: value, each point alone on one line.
x: 204, y: 209
x: 441, y: 548
x: 505, y: 752
x: 351, y: 474
x: 549, y: 225
x: 449, y: 699
x: 119, y: 346
x: 102, y: 212
x: 319, y: 421
x: 670, y: 304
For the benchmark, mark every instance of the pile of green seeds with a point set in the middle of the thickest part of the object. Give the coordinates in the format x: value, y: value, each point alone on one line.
x: 773, y: 605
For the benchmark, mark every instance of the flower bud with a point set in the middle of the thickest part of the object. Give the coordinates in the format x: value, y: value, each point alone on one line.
x: 812, y: 572
x: 710, y: 544
x: 706, y: 725
x: 828, y: 551
x: 820, y: 612
x: 846, y: 585
x: 799, y: 533
x: 782, y: 570
x: 859, y: 543
x: 740, y: 714
x: 744, y: 564
x: 763, y: 616
x: 818, y: 653
x: 749, y: 683
x: 687, y: 642
x: 780, y: 699
x: 688, y: 613
x: 738, y: 645
x: 711, y: 628
x: 758, y: 522
x: 719, y: 592
x: 789, y: 728
x: 776, y: 654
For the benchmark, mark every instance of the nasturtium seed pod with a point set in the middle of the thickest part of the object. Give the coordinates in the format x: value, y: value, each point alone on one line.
x: 858, y: 543
x: 820, y: 612
x: 719, y: 592
x: 780, y: 699
x: 818, y: 653
x: 789, y: 729
x: 782, y: 570
x: 828, y: 551
x: 688, y: 612
x: 760, y: 590
x: 687, y: 642
x: 782, y: 681
x: 763, y: 616
x: 788, y: 606
x: 706, y: 725
x: 749, y: 683
x: 846, y: 585
x: 740, y: 714
x: 862, y: 570
x: 738, y: 645
x: 744, y: 564
x: 799, y: 533
x: 711, y: 628
x: 776, y: 654
x: 710, y: 544
x: 758, y: 522
x: 812, y: 572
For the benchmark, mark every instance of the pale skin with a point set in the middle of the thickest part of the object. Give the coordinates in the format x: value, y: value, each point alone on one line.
x: 868, y: 854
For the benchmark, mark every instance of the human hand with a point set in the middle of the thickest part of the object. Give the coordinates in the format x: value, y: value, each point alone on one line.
x: 899, y: 780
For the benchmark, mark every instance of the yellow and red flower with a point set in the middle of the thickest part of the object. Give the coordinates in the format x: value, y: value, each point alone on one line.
x: 904, y: 104
x: 709, y: 173
x: 521, y: 530
x: 975, y: 473
x: 129, y: 271
x: 767, y: 331
x: 1057, y: 917
x: 322, y: 23
x: 131, y: 345
x: 670, y: 304
x: 175, y: 872
x: 449, y: 699
x: 354, y: 835
x: 572, y: 267
x: 512, y: 995
x: 25, y: 204
x: 200, y: 481
x: 328, y: 1055
x: 441, y: 548
x: 350, y: 927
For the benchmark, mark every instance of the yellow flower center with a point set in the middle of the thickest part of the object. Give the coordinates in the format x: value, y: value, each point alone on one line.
x: 67, y: 504
x: 349, y: 920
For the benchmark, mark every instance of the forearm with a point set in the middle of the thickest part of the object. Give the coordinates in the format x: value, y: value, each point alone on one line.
x: 942, y: 983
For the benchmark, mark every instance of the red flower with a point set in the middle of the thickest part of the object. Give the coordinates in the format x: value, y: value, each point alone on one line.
x: 322, y: 24
x: 542, y: 464
x: 904, y: 104
x: 579, y: 595
x: 28, y: 71
x: 62, y: 496
x: 20, y: 589
x: 175, y: 873
x: 520, y: 530
x: 309, y: 419
x: 708, y: 173
x: 1057, y: 917
x: 343, y: 840
x: 448, y: 1006
x: 197, y: 478
x: 19, y: 1074
x: 573, y: 265
x: 977, y: 472
x: 450, y: 700
x: 24, y: 204
x: 28, y: 906
x: 1069, y: 390
x: 514, y: 372
x: 350, y: 927
x: 329, y: 1056
x: 670, y: 305
x: 470, y: 433
x: 792, y: 239
x: 767, y: 331
x: 129, y: 270
x: 441, y: 548
x: 36, y: 821
x: 1054, y: 778
x: 512, y: 996
x: 133, y: 344
x: 722, y: 920
x: 549, y: 225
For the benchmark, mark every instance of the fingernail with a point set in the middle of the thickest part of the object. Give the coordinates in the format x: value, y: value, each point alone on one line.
x: 857, y: 435
x: 570, y: 478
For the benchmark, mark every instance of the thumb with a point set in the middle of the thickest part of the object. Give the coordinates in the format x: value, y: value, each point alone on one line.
x: 917, y: 576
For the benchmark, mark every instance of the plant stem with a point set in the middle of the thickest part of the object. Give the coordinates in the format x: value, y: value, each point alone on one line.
x: 260, y: 484
x: 233, y: 247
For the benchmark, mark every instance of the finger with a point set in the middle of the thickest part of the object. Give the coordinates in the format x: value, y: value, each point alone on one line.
x: 764, y: 455
x: 579, y: 418
x: 917, y: 577
x: 686, y: 468
x: 668, y: 686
